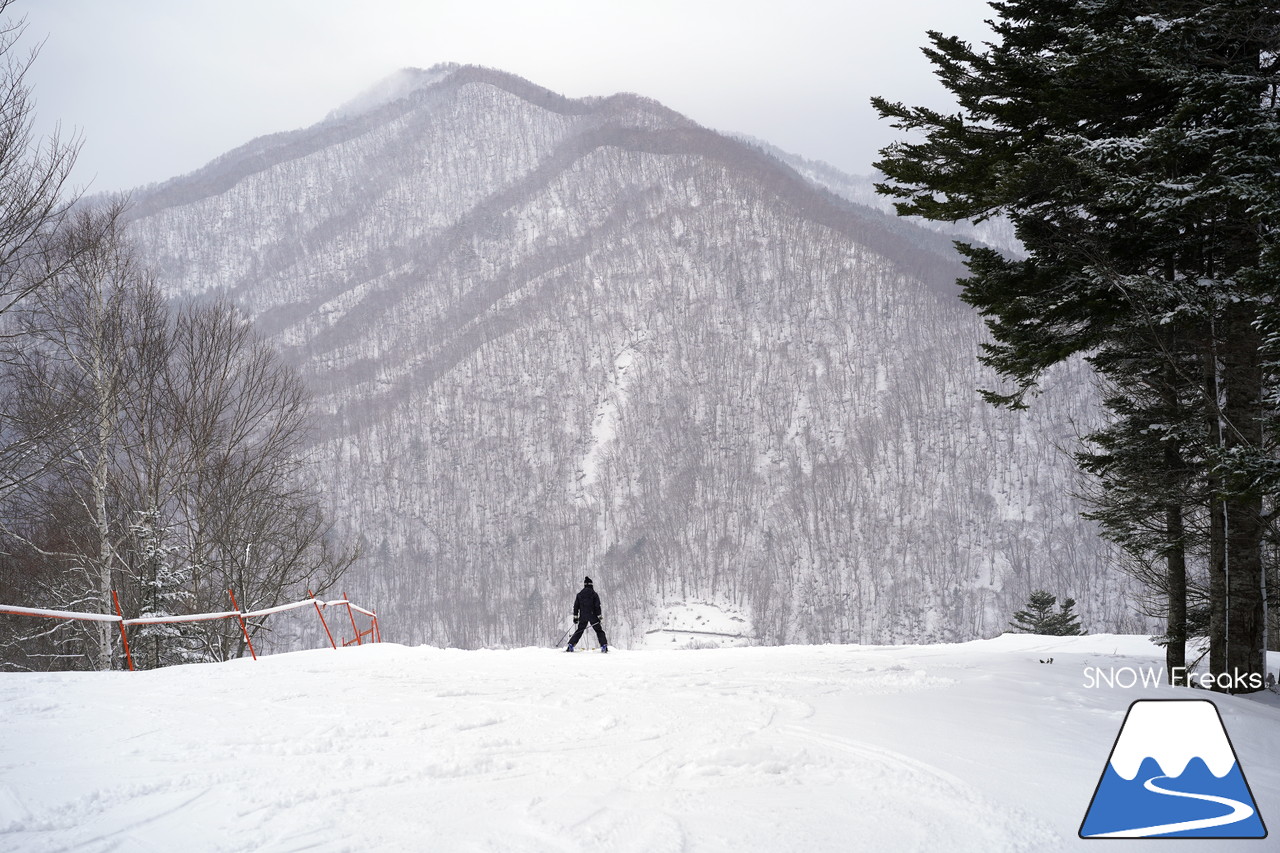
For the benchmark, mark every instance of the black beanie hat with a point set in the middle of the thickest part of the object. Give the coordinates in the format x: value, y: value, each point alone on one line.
x: 586, y: 581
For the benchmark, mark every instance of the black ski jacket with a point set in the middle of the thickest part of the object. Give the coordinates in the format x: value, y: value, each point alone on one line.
x: 586, y: 607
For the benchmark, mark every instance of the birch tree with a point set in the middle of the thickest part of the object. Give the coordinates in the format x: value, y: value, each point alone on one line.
x: 78, y: 337
x: 177, y: 468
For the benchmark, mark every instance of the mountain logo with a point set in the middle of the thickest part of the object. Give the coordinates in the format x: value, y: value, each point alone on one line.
x: 1173, y: 773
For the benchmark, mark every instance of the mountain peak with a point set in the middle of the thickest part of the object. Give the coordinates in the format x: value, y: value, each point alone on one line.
x: 399, y: 85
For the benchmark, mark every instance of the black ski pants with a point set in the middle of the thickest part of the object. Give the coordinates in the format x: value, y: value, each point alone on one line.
x: 582, y: 627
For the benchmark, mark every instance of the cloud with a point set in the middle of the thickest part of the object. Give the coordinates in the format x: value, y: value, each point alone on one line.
x: 159, y: 88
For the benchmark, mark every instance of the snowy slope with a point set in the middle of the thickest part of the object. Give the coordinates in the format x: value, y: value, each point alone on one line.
x: 960, y: 747
x: 860, y: 189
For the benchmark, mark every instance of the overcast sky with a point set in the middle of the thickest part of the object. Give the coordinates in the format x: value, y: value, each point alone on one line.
x: 157, y: 88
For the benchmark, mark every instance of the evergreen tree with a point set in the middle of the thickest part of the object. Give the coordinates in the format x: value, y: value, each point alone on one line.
x: 164, y: 590
x: 1037, y: 616
x: 1135, y: 146
x: 1145, y: 462
x: 1040, y: 618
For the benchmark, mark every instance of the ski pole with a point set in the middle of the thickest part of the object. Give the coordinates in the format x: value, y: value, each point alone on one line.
x: 565, y: 635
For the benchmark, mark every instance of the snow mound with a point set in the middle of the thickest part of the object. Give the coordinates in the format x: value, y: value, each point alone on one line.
x: 696, y: 625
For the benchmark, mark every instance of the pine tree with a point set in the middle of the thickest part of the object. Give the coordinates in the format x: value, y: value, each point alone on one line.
x: 1066, y: 623
x: 1135, y: 146
x: 1145, y: 463
x: 1040, y: 618
x: 164, y: 590
x: 1038, y: 615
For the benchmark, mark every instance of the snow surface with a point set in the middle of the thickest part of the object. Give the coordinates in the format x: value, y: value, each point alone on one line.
x: 696, y: 625
x: 976, y: 746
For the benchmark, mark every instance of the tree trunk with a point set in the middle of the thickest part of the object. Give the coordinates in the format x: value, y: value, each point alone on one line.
x: 105, y: 651
x: 101, y: 521
x: 1175, y: 537
x: 1242, y: 438
x: 1217, y: 528
x: 1176, y: 630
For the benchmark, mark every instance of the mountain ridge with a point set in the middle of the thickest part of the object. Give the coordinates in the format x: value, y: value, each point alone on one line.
x: 551, y: 337
x: 263, y: 152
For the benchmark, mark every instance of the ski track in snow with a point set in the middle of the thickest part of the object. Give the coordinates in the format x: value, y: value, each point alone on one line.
x: 969, y: 747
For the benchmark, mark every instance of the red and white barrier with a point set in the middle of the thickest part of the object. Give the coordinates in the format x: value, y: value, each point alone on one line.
x: 373, y: 634
x: 58, y: 614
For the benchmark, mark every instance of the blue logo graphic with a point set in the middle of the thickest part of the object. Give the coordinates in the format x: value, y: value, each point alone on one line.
x: 1173, y: 773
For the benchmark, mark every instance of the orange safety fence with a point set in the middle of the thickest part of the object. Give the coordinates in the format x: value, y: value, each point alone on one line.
x: 373, y: 634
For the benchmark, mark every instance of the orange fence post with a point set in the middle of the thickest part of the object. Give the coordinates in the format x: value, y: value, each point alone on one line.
x: 322, y: 622
x: 123, y: 638
x: 243, y: 630
x: 352, y: 615
x: 376, y: 632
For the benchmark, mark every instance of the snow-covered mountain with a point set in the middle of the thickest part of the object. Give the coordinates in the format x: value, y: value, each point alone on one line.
x: 861, y: 189
x: 555, y: 337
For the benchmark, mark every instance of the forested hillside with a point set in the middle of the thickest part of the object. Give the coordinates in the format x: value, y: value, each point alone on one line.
x: 553, y: 337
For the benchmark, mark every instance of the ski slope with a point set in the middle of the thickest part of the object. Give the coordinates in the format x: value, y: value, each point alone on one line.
x: 977, y: 746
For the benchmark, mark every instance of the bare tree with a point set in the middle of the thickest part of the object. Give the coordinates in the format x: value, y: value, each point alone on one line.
x: 33, y: 204
x: 172, y: 445
x: 69, y: 371
x: 33, y: 174
x: 252, y: 516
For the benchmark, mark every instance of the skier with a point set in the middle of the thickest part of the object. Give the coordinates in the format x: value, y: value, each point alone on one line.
x: 586, y: 611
